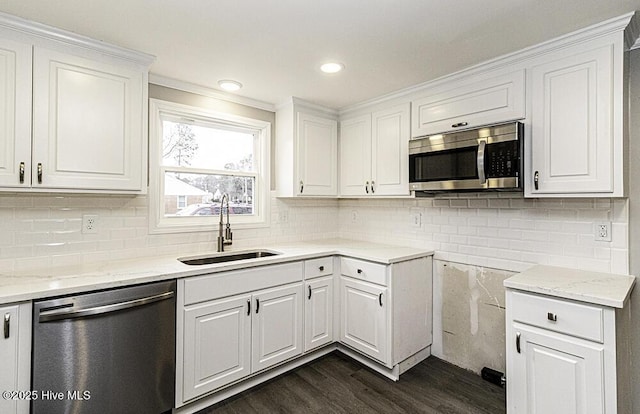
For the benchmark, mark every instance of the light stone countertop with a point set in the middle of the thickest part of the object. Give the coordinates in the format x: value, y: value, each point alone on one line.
x: 593, y: 287
x: 48, y: 282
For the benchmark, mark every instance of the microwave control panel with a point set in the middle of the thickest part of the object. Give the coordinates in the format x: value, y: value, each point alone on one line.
x: 502, y: 160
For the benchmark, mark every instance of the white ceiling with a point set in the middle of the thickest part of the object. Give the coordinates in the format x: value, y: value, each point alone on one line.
x: 274, y: 47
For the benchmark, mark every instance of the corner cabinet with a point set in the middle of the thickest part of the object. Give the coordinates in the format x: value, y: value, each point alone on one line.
x: 565, y: 356
x: 306, y: 150
x: 75, y: 112
x: 374, y: 153
x: 15, y: 352
x: 577, y: 114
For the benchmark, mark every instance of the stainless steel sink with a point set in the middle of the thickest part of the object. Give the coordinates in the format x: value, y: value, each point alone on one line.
x: 227, y: 257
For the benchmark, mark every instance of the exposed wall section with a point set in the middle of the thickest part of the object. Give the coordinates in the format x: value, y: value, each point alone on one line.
x: 469, y: 316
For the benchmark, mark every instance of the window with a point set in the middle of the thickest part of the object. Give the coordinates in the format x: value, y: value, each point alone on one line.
x: 196, y: 156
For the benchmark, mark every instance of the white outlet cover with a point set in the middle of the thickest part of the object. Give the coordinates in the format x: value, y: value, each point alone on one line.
x: 354, y: 216
x: 89, y: 224
x: 602, y: 231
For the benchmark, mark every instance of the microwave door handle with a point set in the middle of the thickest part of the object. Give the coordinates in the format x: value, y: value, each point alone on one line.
x: 480, y: 161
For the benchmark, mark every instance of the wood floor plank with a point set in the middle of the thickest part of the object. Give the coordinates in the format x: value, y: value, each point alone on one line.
x: 336, y: 384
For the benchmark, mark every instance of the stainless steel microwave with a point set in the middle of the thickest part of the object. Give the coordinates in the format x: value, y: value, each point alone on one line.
x: 488, y: 158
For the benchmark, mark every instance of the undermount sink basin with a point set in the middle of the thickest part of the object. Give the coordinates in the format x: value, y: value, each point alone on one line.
x: 227, y: 257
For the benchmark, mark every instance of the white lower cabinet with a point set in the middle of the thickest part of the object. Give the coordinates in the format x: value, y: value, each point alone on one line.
x: 228, y: 339
x: 15, y: 354
x: 276, y: 326
x: 318, y: 313
x: 565, y: 357
x: 364, y: 318
x: 386, y: 310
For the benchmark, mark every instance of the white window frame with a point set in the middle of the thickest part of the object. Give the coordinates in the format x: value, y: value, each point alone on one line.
x: 158, y: 223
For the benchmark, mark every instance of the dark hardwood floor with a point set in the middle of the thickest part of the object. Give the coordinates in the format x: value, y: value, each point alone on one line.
x: 338, y: 384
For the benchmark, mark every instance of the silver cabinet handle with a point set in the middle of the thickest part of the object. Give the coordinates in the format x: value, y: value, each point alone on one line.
x: 47, y: 315
x: 552, y: 317
x: 372, y: 189
x: 7, y: 323
x: 459, y: 124
x: 536, y: 177
x: 480, y: 161
x: 518, y: 342
x: 366, y: 187
x: 39, y: 173
x: 22, y: 172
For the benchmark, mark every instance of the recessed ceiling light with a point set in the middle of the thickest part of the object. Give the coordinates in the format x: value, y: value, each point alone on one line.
x: 331, y: 67
x: 229, y: 85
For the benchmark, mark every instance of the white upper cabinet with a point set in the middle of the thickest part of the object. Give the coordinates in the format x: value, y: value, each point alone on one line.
x: 374, y: 153
x: 15, y: 116
x: 88, y: 123
x: 306, y: 151
x: 470, y: 103
x: 576, y: 138
x: 75, y: 112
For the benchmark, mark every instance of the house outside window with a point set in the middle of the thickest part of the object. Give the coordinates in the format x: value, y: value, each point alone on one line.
x: 196, y: 156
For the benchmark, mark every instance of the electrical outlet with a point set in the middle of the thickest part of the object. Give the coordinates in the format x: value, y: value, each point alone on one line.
x: 602, y: 231
x: 415, y: 219
x: 283, y: 216
x: 354, y: 216
x: 89, y: 224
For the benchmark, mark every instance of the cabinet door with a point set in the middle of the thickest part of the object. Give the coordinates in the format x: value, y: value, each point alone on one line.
x: 355, y: 156
x: 571, y: 123
x: 88, y: 130
x: 277, y: 326
x: 553, y: 373
x: 15, y: 113
x: 487, y: 101
x: 15, y: 354
x: 364, y: 318
x: 217, y: 344
x: 390, y: 151
x: 317, y: 155
x: 318, y: 313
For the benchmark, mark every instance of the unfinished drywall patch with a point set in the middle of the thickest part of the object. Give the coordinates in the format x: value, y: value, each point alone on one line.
x: 469, y: 315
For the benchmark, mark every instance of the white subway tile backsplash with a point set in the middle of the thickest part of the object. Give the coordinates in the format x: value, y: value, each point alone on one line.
x: 503, y: 231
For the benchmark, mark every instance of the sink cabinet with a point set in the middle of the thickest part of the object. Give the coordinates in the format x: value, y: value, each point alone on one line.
x: 234, y: 324
x: 74, y: 112
x: 15, y: 354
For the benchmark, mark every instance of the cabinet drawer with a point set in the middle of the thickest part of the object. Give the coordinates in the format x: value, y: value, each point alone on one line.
x: 581, y: 320
x: 318, y: 267
x: 359, y: 269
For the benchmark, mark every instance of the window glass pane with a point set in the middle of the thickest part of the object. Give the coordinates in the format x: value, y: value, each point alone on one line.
x: 196, y: 146
x: 202, y: 194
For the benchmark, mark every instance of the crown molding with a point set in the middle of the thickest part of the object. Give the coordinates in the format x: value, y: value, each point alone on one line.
x: 209, y: 92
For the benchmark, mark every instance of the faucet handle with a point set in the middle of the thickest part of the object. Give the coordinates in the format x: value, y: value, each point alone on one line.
x: 228, y: 234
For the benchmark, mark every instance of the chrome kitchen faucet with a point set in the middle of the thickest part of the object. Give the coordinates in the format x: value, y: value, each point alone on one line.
x: 226, y: 238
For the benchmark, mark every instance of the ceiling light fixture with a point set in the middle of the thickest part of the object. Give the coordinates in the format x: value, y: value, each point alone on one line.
x: 332, y: 67
x: 229, y: 85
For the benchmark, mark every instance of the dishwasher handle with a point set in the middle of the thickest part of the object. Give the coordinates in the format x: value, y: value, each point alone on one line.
x: 58, y: 314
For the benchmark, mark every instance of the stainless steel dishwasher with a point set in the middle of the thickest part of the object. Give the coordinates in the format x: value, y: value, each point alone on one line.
x: 110, y: 351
